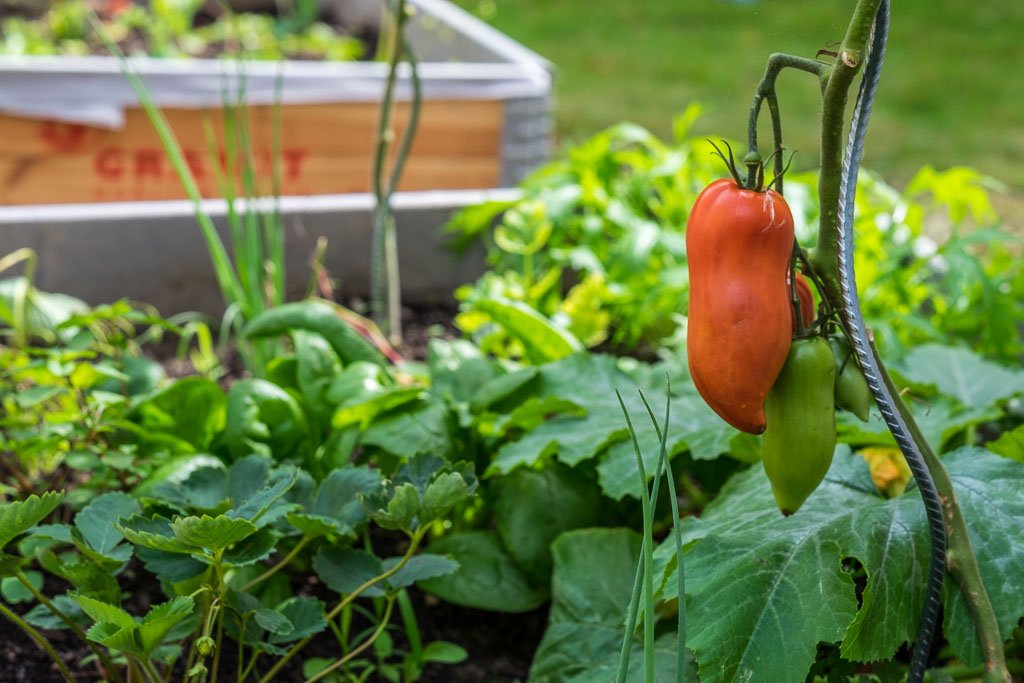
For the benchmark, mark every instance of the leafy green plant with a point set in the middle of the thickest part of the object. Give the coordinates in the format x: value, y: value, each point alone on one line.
x: 66, y: 393
x: 607, y: 223
x: 167, y: 28
x: 206, y: 535
x: 593, y: 254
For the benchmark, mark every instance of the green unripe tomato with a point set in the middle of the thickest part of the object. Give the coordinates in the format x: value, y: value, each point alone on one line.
x: 800, y: 410
x: 852, y: 392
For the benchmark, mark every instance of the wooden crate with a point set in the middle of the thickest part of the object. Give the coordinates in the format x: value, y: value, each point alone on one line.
x: 325, y: 149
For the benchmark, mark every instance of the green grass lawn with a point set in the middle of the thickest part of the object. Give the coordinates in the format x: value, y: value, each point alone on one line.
x: 952, y: 92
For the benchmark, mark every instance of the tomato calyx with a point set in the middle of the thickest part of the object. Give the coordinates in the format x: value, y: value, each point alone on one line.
x: 755, y: 175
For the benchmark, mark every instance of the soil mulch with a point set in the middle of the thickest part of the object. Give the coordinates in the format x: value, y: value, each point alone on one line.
x: 500, y: 646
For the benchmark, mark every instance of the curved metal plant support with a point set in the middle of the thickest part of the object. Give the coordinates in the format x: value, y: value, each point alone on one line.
x: 832, y: 267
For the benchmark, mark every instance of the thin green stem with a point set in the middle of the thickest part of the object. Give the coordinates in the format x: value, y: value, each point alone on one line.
x: 852, y: 51
x: 108, y: 665
x: 40, y: 639
x: 150, y: 670
x: 412, y: 628
x: 277, y: 567
x: 960, y: 559
x: 219, y: 640
x: 351, y: 597
x: 385, y: 618
x: 766, y: 91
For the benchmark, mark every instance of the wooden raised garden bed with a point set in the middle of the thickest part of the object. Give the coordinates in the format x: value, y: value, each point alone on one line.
x: 73, y: 134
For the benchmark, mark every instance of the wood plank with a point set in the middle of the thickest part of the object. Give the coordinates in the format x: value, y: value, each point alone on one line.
x: 325, y: 149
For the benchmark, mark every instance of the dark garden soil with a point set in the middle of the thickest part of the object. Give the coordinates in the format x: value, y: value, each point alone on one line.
x: 500, y: 646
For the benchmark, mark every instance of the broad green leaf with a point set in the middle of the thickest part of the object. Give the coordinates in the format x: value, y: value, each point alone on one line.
x: 426, y: 426
x: 255, y: 548
x: 116, y: 637
x: 176, y: 470
x: 794, y: 591
x: 963, y: 375
x: 315, y: 526
x: 255, y: 494
x: 15, y: 592
x: 445, y: 492
x: 40, y: 616
x: 941, y: 420
x: 500, y: 388
x: 94, y: 579
x: 589, y: 381
x: 192, y: 409
x: 274, y: 622
x: 21, y: 515
x: 97, y: 521
x: 544, y: 340
x: 1009, y: 444
x: 344, y: 570
x: 362, y: 392
x: 316, y: 316
x: 306, y: 616
x: 101, y: 612
x: 419, y: 568
x: 400, y: 510
x: 338, y: 496
x: 487, y: 578
x: 590, y: 594
x: 533, y: 507
x: 419, y: 470
x: 263, y: 418
x: 204, y: 489
x: 212, y: 533
x: 318, y: 365
x: 458, y: 369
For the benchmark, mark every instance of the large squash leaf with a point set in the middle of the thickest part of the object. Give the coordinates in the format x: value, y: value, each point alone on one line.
x: 759, y: 584
x: 589, y: 382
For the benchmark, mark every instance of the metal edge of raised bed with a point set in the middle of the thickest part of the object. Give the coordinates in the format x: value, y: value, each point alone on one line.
x: 154, y: 252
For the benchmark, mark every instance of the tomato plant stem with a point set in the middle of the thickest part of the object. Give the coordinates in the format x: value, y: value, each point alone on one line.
x: 766, y: 91
x: 835, y: 94
x: 960, y: 558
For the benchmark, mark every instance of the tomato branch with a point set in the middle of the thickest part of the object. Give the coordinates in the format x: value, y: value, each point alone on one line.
x: 825, y: 256
x: 766, y: 91
x: 960, y: 558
